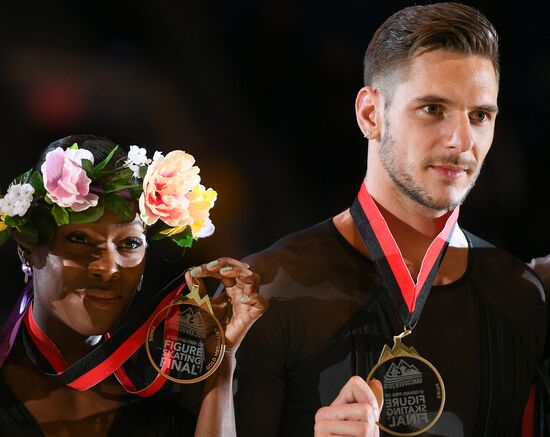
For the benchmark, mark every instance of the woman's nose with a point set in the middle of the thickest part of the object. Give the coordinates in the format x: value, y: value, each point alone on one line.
x: 104, y: 264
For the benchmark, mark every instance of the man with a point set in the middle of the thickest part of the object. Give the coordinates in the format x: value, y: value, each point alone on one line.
x: 428, y: 110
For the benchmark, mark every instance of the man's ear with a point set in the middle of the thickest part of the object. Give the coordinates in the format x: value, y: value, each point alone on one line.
x: 368, y: 112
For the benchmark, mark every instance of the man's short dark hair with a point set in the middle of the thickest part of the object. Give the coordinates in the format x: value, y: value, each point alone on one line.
x: 417, y: 29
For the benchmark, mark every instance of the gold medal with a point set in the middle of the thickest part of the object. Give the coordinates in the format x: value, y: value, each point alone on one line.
x: 185, y: 341
x: 414, y: 393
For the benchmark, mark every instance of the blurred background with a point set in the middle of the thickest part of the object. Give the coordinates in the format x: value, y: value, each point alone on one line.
x: 262, y: 94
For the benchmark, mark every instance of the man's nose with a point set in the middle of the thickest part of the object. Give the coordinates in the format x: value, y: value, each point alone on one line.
x: 459, y: 135
x: 104, y: 265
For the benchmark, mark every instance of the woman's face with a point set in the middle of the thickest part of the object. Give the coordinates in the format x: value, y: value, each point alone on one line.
x: 88, y: 275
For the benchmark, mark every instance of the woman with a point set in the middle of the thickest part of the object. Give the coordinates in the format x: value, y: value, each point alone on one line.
x: 80, y: 220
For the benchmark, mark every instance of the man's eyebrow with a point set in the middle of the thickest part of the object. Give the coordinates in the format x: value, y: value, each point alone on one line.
x: 434, y: 99
x: 487, y: 108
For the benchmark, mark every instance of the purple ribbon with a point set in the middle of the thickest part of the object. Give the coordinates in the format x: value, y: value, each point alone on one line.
x: 11, y: 328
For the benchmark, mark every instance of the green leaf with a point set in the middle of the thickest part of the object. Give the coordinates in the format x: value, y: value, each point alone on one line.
x: 15, y: 221
x: 5, y: 235
x: 183, y: 239
x: 25, y: 178
x: 110, y: 188
x: 60, y: 214
x: 28, y: 233
x: 119, y: 205
x: 143, y: 171
x: 88, y: 168
x: 74, y: 147
x: 99, y: 167
x: 156, y: 230
x: 122, y: 176
x: 38, y: 184
x: 46, y: 226
x: 89, y: 215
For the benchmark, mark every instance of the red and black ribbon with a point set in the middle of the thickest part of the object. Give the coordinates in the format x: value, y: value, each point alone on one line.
x: 110, y: 357
x: 407, y: 296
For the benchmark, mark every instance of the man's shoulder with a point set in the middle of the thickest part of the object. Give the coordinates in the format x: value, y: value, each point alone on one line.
x: 502, y: 272
x: 298, y: 263
x: 294, y: 246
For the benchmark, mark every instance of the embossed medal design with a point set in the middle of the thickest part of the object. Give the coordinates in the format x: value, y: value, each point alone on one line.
x: 185, y: 341
x: 414, y: 393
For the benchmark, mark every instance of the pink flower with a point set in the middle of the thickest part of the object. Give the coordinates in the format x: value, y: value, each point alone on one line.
x: 172, y: 193
x: 66, y: 181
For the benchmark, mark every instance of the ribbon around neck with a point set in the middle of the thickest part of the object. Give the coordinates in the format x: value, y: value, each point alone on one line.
x: 108, y: 358
x: 405, y: 294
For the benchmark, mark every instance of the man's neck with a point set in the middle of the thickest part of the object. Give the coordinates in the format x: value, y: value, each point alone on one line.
x: 413, y: 229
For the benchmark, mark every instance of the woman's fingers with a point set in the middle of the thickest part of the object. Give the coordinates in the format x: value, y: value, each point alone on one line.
x: 239, y: 281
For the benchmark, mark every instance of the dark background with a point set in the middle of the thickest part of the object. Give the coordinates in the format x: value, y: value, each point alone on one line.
x: 262, y: 94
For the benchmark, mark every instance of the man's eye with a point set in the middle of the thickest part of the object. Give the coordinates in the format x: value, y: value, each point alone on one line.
x: 432, y: 109
x: 479, y: 116
x: 77, y: 237
x: 132, y: 243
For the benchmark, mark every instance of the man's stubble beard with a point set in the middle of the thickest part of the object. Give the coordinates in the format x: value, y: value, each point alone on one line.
x: 405, y: 182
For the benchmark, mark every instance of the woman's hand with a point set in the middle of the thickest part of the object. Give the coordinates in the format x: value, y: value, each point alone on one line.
x: 240, y: 304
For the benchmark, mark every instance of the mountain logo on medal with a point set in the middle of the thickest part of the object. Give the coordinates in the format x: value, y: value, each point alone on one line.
x: 401, y: 375
x: 189, y: 321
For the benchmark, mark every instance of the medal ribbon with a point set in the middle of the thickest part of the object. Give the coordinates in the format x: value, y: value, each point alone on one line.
x: 105, y: 359
x: 407, y: 296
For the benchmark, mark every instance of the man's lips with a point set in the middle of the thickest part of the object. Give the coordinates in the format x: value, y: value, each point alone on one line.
x: 450, y: 171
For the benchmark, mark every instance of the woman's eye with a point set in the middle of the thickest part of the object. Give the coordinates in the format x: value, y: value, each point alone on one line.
x: 77, y: 237
x: 132, y: 243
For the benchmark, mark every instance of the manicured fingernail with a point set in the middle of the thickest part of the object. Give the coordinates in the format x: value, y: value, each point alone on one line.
x: 196, y: 271
x: 212, y: 264
x: 226, y: 269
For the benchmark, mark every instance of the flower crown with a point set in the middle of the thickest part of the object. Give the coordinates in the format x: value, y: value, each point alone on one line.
x: 69, y: 188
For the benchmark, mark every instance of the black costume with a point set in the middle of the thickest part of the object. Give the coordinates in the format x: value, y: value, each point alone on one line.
x: 166, y: 414
x: 329, y: 319
x: 172, y: 411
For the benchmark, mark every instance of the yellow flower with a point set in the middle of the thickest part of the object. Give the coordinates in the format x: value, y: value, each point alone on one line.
x: 172, y: 193
x: 3, y: 226
x: 201, y: 200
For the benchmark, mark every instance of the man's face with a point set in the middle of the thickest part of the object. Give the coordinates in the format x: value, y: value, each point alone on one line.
x: 439, y: 127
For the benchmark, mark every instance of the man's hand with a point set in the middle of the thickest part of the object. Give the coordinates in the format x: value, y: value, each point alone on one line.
x: 354, y: 412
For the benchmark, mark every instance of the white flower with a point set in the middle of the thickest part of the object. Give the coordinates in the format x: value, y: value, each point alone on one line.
x: 137, y: 157
x: 207, y: 230
x: 158, y: 156
x: 17, y: 200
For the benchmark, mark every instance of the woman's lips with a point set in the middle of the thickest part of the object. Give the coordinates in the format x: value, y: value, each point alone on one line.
x: 103, y: 299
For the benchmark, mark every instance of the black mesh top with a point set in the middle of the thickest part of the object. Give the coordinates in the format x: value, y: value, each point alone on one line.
x: 162, y: 415
x: 329, y: 319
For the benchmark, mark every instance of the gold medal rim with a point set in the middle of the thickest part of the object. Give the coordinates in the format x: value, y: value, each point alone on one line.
x: 214, y: 366
x: 439, y: 378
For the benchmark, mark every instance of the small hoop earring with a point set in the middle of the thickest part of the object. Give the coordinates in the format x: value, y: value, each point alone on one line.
x: 138, y: 288
x: 25, y: 265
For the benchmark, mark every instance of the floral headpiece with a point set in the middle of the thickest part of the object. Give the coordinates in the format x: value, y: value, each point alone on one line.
x: 69, y: 188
